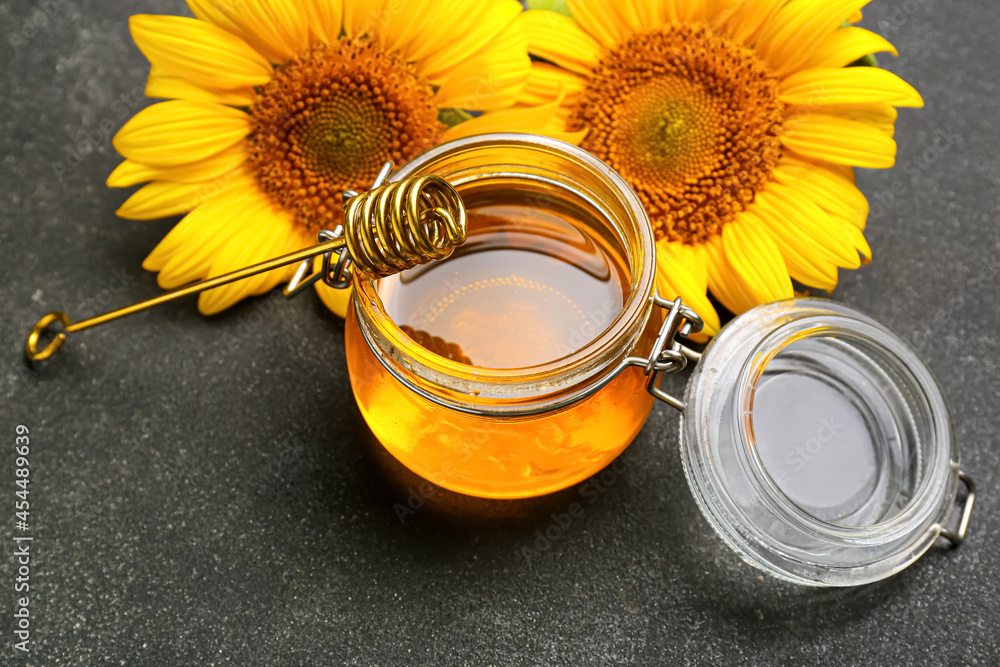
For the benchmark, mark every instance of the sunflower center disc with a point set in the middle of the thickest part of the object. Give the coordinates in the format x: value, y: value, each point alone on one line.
x: 328, y: 121
x: 688, y: 117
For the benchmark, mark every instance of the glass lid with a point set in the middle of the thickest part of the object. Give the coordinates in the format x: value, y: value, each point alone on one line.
x: 818, y: 444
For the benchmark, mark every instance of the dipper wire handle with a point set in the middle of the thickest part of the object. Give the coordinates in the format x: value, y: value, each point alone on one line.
x: 387, y: 229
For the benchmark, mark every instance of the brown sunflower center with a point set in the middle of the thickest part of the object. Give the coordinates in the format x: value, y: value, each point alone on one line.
x: 329, y: 120
x: 690, y: 119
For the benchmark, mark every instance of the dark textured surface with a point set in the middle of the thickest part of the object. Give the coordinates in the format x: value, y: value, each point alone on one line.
x: 204, y: 491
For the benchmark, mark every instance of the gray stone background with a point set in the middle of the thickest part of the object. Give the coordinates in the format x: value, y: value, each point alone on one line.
x: 204, y: 491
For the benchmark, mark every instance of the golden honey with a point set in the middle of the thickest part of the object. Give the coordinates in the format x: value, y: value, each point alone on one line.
x: 529, y: 285
x: 498, y: 372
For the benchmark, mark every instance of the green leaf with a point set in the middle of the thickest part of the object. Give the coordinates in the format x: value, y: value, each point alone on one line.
x: 551, y: 5
x: 452, y: 117
x: 867, y: 61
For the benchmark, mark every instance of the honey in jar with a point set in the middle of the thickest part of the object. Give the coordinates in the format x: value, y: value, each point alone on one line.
x: 530, y: 285
x: 498, y: 372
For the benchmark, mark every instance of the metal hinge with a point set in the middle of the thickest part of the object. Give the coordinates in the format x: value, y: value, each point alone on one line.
x: 669, y: 355
x: 956, y: 537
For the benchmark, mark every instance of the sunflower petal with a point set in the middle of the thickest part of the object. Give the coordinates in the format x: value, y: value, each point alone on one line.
x: 559, y: 39
x: 848, y: 85
x: 441, y: 25
x: 361, y: 16
x: 682, y: 271
x: 839, y: 140
x: 202, y: 224
x: 812, y: 222
x: 755, y: 256
x: 525, y: 119
x: 556, y: 127
x: 290, y: 23
x: 491, y: 79
x: 405, y: 26
x: 130, y: 173
x: 324, y: 19
x: 639, y: 15
x: 804, y: 257
x: 598, y: 19
x: 724, y: 281
x: 177, y: 132
x: 198, y: 52
x: 845, y: 46
x: 183, y: 269
x: 798, y: 29
x: 161, y: 199
x: 211, y: 225
x: 860, y: 243
x: 696, y: 11
x: 878, y: 115
x: 746, y: 21
x: 810, y: 255
x: 160, y: 85
x: 832, y: 192
x: 277, y: 29
x: 214, y: 12
x: 267, y: 232
x: 494, y: 20
x: 548, y: 82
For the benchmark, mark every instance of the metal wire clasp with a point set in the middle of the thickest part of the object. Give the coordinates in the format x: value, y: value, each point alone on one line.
x: 669, y: 355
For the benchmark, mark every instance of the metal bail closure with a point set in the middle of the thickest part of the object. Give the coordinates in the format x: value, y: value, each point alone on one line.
x: 956, y: 537
x: 669, y: 355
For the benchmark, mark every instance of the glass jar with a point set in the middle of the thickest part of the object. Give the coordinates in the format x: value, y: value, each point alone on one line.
x: 515, y: 432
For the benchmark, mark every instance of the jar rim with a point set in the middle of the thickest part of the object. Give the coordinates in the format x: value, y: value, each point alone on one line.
x: 496, y: 387
x: 920, y: 505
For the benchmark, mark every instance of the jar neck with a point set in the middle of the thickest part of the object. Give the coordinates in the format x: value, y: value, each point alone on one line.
x: 930, y: 440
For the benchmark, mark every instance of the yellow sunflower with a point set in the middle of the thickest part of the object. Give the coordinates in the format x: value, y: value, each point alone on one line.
x: 275, y: 107
x: 738, y: 124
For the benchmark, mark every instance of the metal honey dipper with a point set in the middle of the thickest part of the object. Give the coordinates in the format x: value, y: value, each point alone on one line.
x: 387, y: 229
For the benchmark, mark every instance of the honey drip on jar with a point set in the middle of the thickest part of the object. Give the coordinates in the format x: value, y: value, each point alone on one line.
x: 533, y: 283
